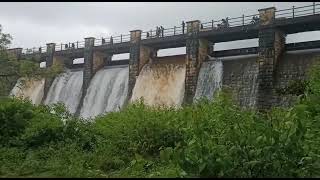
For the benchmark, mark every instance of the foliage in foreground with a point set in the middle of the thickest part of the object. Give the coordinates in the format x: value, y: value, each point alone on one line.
x: 206, y: 139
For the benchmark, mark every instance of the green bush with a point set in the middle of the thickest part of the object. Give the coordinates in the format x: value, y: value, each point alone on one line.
x: 15, y: 115
x: 139, y: 129
x: 206, y: 139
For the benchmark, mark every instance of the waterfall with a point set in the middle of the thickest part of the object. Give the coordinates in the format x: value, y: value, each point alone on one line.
x: 107, y: 91
x: 209, y: 79
x: 160, y: 84
x: 29, y: 89
x: 66, y: 88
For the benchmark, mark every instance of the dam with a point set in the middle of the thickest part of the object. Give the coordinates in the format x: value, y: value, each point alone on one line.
x: 101, y: 85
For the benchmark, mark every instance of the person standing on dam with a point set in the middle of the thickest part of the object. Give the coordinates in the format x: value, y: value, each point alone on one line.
x: 157, y: 31
x: 183, y: 24
x: 161, y: 29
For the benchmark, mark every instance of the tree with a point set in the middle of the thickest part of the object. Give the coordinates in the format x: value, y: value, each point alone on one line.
x: 12, y: 68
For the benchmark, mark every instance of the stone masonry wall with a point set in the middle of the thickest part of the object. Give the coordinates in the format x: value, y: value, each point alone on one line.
x: 197, y: 51
x: 293, y: 66
x: 240, y: 76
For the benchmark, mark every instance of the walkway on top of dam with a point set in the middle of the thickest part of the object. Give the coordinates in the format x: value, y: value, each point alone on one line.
x: 291, y: 20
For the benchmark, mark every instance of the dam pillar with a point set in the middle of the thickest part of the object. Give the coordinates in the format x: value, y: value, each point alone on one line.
x: 88, y: 63
x: 271, y: 46
x: 197, y: 51
x: 49, y: 62
x: 93, y: 61
x: 52, y: 60
x: 139, y: 56
x: 134, y: 60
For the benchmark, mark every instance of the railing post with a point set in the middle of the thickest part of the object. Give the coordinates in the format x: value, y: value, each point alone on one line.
x: 121, y: 38
x: 212, y: 24
x: 314, y: 8
x: 61, y: 47
x: 292, y: 11
x: 151, y: 33
x: 51, y: 48
x: 77, y: 45
x: 174, y: 30
x: 243, y: 20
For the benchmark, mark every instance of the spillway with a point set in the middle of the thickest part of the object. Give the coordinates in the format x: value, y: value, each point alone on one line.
x: 66, y: 88
x: 160, y: 84
x: 31, y: 89
x: 107, y: 91
x: 209, y: 79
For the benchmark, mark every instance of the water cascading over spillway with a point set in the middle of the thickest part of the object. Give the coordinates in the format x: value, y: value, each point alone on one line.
x: 107, y: 91
x: 66, y: 88
x: 160, y: 84
x: 209, y: 79
x: 29, y: 89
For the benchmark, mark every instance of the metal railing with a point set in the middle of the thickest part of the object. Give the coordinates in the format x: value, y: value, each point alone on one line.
x: 182, y: 29
x: 34, y: 50
x: 157, y: 33
x: 230, y: 22
x: 67, y: 46
x: 295, y: 12
x: 112, y: 40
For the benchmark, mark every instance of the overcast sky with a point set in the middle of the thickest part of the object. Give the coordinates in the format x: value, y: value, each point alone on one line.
x: 33, y: 24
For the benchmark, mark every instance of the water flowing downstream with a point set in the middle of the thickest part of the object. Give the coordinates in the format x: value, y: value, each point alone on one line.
x: 210, y: 79
x: 66, y: 88
x: 160, y: 84
x: 29, y: 89
x: 107, y: 91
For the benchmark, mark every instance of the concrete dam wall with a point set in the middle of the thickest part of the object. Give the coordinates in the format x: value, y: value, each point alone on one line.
x: 162, y: 82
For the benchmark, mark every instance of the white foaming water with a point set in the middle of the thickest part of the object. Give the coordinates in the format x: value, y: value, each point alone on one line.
x: 29, y: 89
x: 160, y: 84
x: 107, y: 91
x: 66, y: 89
x: 210, y: 79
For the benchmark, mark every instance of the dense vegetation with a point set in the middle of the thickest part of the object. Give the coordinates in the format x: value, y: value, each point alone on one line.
x: 207, y: 139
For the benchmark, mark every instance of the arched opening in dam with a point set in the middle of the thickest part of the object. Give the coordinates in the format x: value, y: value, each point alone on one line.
x: 171, y: 52
x: 78, y: 61
x: 303, y: 37
x: 120, y: 57
x: 43, y: 65
x: 236, y: 44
